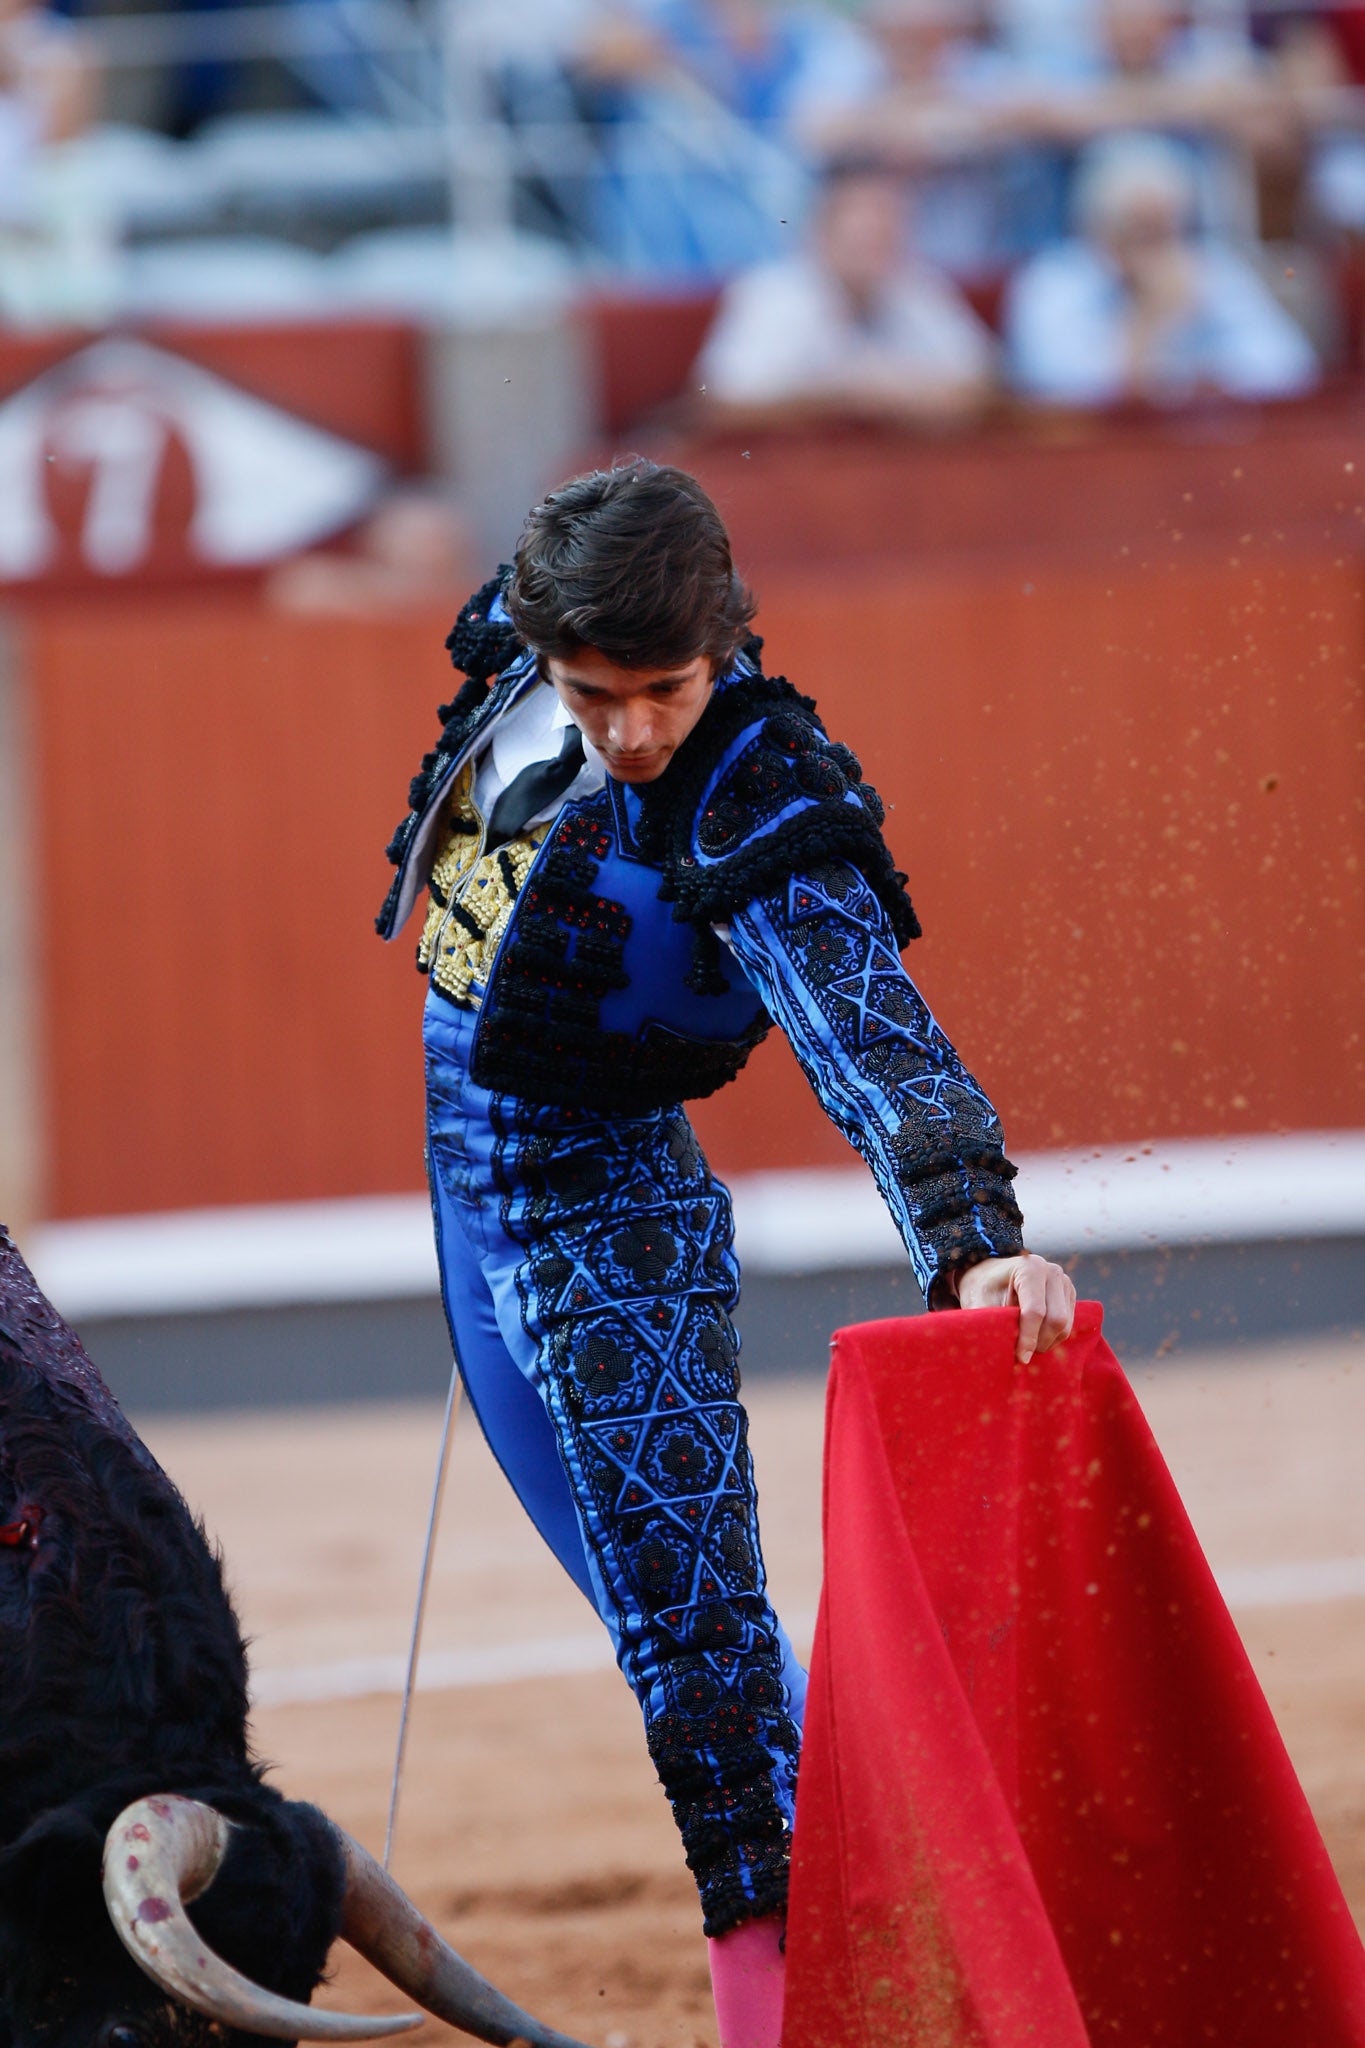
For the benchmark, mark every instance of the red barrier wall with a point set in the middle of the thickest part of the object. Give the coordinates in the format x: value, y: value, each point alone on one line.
x: 221, y: 1023
x: 1131, y: 811
x: 1130, y: 803
x: 1132, y: 490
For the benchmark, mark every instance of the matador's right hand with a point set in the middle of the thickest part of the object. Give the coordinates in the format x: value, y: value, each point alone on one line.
x: 1042, y: 1291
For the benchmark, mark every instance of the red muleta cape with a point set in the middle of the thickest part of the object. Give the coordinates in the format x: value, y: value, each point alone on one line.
x: 1043, y: 1803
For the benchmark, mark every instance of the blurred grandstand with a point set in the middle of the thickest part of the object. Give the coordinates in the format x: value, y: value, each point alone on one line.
x: 1022, y: 345
x: 334, y: 156
x: 458, y: 165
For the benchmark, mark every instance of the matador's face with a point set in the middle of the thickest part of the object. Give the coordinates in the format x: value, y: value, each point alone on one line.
x: 636, y: 718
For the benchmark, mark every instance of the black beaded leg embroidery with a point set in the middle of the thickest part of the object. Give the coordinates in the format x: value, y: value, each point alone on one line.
x: 627, y: 1288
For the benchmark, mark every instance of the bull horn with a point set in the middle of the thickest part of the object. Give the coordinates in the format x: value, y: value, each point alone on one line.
x: 379, y: 1919
x: 160, y: 1855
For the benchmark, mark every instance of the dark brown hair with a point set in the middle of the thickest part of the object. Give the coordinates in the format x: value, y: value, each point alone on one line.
x: 633, y: 561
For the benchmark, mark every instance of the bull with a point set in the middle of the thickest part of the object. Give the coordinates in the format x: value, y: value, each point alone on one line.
x: 155, y: 1890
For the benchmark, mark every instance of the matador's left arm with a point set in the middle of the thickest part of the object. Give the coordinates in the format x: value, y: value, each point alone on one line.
x: 820, y: 950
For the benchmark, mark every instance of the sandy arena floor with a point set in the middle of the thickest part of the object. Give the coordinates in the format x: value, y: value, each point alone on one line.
x: 532, y: 1831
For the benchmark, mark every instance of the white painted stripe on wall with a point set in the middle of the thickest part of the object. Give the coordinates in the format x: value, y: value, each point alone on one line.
x: 352, y: 1678
x: 1309, y: 1583
x: 379, y: 1248
x: 373, y: 1248
x: 1111, y: 1198
x: 349, y: 1678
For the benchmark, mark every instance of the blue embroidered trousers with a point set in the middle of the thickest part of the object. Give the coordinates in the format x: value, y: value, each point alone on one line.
x: 588, y: 1273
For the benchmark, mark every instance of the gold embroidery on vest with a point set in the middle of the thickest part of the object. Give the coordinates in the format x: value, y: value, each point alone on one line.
x: 464, y: 926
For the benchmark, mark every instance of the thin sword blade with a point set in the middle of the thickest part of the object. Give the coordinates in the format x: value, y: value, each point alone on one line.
x: 419, y: 1616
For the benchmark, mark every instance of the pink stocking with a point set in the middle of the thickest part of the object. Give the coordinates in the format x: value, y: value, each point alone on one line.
x: 747, y: 1973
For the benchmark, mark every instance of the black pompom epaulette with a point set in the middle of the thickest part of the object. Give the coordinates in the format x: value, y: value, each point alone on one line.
x: 480, y: 647
x: 790, y: 801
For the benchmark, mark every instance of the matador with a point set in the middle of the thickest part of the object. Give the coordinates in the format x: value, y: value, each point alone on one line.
x: 637, y: 853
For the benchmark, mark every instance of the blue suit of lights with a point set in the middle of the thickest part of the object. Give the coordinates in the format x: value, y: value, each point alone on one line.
x: 586, y: 1249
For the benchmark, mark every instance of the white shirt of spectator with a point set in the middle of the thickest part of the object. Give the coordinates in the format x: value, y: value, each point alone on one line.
x: 787, y: 330
x: 533, y: 730
x: 1065, y: 325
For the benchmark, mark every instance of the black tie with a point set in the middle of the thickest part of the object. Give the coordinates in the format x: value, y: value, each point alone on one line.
x: 534, y: 790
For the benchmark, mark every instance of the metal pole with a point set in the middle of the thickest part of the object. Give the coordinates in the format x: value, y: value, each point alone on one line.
x: 478, y: 149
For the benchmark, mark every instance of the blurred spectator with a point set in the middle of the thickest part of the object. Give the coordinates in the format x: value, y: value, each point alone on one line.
x: 56, y: 241
x: 853, y: 324
x: 1148, y: 63
x: 708, y: 107
x: 946, y: 110
x: 1324, y: 55
x: 776, y: 64
x: 46, y: 86
x: 991, y: 123
x: 531, y: 67
x: 915, y: 105
x: 1194, y: 75
x: 414, y: 550
x: 1139, y: 307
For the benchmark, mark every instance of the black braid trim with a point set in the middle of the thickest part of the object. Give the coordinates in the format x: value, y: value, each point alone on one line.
x: 966, y: 1240
x: 790, y: 756
x: 707, y: 973
x: 540, y: 1034
x: 716, y: 1773
x: 916, y: 1165
x: 967, y: 1196
x: 959, y: 1189
x: 566, y: 1060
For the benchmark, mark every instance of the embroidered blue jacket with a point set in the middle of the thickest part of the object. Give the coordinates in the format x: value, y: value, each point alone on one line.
x: 611, y: 990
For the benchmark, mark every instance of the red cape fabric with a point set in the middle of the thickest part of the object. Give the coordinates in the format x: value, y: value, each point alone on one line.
x: 1043, y: 1803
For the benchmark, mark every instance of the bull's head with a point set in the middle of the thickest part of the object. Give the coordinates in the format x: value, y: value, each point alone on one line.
x: 278, y: 1887
x: 155, y: 1891
x: 164, y: 1853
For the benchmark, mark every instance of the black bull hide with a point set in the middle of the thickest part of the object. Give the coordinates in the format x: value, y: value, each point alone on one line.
x: 122, y: 1674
